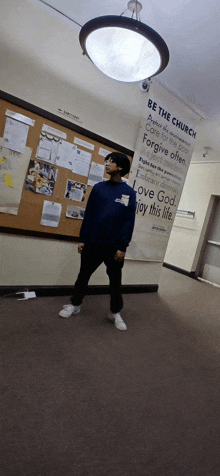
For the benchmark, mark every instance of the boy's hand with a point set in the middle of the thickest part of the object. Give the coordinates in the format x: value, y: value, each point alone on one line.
x: 119, y: 255
x: 80, y: 247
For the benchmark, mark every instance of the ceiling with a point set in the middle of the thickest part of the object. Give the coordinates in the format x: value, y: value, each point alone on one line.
x: 191, y: 31
x: 46, y: 36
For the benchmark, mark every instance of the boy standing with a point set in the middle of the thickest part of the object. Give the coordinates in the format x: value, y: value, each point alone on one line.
x: 105, y: 234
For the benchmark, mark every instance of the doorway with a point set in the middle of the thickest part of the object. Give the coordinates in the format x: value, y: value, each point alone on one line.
x: 210, y: 262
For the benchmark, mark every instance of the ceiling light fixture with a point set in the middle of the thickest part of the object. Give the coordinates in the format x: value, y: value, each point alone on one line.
x: 124, y: 48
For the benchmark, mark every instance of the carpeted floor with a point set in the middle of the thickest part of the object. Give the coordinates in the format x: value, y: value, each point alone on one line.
x: 80, y: 398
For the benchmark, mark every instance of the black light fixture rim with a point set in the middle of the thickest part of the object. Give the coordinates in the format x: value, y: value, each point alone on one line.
x: 129, y: 24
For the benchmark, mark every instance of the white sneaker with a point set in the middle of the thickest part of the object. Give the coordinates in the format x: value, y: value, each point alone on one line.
x: 118, y: 321
x: 68, y: 310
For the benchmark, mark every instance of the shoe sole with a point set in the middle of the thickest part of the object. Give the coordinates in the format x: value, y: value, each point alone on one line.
x: 120, y: 329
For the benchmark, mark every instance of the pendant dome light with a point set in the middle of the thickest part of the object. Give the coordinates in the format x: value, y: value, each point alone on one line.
x: 124, y: 49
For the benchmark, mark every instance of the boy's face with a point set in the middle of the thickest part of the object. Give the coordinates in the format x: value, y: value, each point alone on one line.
x: 111, y: 167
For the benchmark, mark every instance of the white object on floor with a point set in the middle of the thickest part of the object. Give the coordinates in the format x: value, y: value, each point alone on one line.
x: 27, y: 295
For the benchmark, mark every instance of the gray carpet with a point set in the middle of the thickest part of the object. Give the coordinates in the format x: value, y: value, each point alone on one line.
x: 81, y: 398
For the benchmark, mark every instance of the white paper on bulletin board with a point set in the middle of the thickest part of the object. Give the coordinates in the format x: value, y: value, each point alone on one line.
x: 66, y: 154
x: 51, y: 214
x: 19, y: 117
x: 96, y: 173
x: 13, y: 169
x: 103, y: 152
x: 83, y: 143
x: 15, y: 135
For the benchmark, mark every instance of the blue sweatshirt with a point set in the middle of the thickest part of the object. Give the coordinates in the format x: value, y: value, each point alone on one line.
x: 110, y: 215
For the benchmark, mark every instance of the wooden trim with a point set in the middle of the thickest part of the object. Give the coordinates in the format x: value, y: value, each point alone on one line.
x: 38, y: 234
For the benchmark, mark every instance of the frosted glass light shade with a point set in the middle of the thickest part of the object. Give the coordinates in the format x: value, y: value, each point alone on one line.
x: 124, y: 49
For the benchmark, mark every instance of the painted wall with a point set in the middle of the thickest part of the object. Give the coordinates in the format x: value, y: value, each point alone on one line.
x: 30, y: 261
x: 187, y: 236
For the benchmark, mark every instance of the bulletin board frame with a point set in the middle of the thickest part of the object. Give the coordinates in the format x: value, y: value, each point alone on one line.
x: 27, y: 221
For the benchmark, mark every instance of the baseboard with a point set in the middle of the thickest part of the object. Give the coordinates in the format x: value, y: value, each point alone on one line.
x: 191, y: 274
x: 10, y: 291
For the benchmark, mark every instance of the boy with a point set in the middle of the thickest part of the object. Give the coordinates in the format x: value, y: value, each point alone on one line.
x: 105, y: 234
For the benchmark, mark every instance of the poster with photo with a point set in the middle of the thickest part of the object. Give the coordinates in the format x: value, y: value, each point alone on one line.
x: 75, y: 191
x: 41, y: 177
x: 75, y: 212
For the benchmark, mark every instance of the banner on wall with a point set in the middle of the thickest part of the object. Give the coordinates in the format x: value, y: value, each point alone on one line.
x: 162, y: 156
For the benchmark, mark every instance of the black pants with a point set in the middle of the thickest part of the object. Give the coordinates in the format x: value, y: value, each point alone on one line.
x: 94, y: 254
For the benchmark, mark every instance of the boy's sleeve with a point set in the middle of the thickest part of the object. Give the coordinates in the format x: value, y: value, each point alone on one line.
x: 126, y: 235
x: 84, y: 231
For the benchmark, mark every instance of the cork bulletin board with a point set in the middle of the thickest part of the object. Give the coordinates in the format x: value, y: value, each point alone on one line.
x: 27, y: 221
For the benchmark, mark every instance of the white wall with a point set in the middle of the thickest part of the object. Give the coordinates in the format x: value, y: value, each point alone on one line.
x: 30, y: 261
x: 187, y: 236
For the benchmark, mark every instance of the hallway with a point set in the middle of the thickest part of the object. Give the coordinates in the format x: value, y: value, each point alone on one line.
x: 81, y: 398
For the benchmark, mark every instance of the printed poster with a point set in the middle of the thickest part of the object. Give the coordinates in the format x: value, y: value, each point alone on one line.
x: 81, y: 162
x: 96, y: 173
x: 13, y: 169
x: 66, y: 154
x: 15, y: 135
x: 47, y: 148
x: 162, y: 156
x: 51, y: 214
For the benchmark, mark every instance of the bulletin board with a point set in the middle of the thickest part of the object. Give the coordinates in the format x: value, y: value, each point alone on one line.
x: 28, y: 219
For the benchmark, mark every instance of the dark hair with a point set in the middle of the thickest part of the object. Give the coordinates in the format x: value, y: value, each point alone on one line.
x: 121, y: 160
